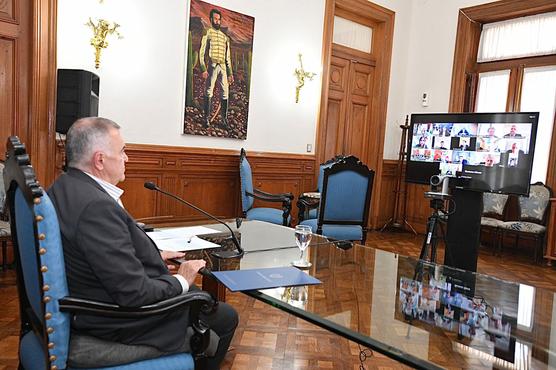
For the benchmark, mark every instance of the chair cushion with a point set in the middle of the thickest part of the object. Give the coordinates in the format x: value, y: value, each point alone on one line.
x: 494, y: 203
x: 31, y: 355
x: 526, y: 227
x: 246, y: 183
x: 536, y: 203
x: 489, y: 221
x: 345, y: 196
x: 339, y: 232
x: 271, y: 215
x: 5, y: 228
x: 182, y: 361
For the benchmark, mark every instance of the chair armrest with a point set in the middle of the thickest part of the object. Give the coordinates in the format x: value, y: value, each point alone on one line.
x: 270, y: 195
x: 305, y: 204
x: 284, y: 198
x: 198, y: 301
x: 80, y: 305
x: 257, y: 194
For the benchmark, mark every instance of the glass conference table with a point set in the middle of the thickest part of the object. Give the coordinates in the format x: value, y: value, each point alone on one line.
x: 421, y: 314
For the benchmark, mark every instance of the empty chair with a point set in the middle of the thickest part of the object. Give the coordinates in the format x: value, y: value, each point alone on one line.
x: 45, y: 307
x: 345, y: 201
x: 532, y: 218
x: 494, y: 206
x: 308, y: 203
x: 249, y: 194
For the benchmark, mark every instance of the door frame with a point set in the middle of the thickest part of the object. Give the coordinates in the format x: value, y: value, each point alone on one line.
x: 383, y: 36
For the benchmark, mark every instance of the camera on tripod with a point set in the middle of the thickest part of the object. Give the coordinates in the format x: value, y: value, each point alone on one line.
x: 439, y: 197
x: 439, y: 188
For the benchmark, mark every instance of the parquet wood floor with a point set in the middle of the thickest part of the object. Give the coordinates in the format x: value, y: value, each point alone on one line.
x: 267, y: 338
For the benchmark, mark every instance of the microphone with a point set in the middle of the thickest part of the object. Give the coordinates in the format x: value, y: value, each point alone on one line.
x: 222, y: 254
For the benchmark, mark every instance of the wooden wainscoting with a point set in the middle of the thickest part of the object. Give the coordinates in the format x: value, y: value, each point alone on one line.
x: 388, y: 191
x: 208, y: 178
x: 418, y: 208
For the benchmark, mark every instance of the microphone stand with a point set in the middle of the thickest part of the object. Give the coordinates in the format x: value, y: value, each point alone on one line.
x: 221, y: 254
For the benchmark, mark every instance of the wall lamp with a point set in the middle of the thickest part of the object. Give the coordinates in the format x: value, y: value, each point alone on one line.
x: 101, y: 29
x: 301, y: 75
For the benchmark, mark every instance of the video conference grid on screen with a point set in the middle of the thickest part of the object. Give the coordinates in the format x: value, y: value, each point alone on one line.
x: 479, y: 144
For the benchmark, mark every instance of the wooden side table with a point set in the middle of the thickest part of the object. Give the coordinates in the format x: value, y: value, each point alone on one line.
x: 551, y: 234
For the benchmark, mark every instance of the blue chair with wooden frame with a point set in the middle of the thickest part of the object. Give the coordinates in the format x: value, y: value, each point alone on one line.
x: 46, y: 309
x: 345, y: 201
x: 249, y: 194
x: 307, y: 204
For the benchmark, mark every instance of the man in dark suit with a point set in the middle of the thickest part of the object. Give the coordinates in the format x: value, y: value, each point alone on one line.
x: 513, y: 133
x: 109, y: 258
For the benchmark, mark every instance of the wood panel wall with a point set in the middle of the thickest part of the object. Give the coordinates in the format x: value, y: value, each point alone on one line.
x: 208, y: 178
x: 417, y: 207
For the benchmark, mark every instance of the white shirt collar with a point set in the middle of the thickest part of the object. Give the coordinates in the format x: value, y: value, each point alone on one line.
x: 112, y: 190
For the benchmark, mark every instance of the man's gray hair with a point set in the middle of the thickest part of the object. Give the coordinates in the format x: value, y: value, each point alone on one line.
x: 85, y: 136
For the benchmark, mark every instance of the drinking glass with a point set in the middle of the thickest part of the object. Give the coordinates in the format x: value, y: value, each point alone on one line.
x: 302, y: 239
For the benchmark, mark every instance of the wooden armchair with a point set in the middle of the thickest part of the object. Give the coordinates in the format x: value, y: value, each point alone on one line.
x: 249, y: 194
x: 532, y: 219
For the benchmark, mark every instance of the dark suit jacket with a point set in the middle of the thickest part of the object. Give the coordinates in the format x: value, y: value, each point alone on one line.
x: 108, y: 258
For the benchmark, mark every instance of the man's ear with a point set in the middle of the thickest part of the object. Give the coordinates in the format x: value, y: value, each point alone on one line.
x: 98, y: 160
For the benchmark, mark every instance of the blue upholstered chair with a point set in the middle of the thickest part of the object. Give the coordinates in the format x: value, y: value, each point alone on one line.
x: 494, y: 207
x: 249, y: 194
x: 307, y: 204
x: 45, y: 307
x: 345, y: 201
x: 532, y: 218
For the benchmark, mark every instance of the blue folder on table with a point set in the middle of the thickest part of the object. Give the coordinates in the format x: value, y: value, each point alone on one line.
x: 239, y: 280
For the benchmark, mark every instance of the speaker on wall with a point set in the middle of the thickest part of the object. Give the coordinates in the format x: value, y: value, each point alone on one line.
x: 77, y: 97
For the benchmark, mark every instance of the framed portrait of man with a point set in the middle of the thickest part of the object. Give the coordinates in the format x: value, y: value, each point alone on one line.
x: 218, y: 71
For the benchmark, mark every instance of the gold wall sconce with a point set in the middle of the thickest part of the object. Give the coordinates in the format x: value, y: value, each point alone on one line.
x: 101, y: 30
x: 301, y: 75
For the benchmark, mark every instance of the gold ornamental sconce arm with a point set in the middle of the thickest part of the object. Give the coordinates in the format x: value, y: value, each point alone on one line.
x: 301, y: 75
x: 101, y: 30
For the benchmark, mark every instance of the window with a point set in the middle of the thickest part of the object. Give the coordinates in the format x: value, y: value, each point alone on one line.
x: 492, y: 91
x: 538, y: 93
x: 515, y: 70
x: 352, y: 34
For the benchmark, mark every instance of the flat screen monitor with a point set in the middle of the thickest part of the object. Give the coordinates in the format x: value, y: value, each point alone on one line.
x: 489, y: 152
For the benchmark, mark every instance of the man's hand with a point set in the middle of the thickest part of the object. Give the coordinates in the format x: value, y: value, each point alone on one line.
x: 166, y: 255
x: 189, y: 269
x: 205, y: 75
x: 230, y: 79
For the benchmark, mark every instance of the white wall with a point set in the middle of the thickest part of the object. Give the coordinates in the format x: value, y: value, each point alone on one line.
x: 422, y: 59
x: 142, y: 75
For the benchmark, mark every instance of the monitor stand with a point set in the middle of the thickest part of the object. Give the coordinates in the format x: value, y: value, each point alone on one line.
x: 464, y: 228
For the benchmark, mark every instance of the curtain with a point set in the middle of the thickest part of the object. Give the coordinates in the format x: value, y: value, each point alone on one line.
x: 517, y: 38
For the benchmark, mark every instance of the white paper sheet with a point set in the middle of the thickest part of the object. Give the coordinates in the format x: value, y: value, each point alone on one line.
x: 188, y: 232
x: 182, y: 239
x: 182, y: 245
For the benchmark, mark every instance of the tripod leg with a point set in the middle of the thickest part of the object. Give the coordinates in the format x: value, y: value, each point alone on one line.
x: 429, y: 237
x: 431, y: 224
x: 443, y: 236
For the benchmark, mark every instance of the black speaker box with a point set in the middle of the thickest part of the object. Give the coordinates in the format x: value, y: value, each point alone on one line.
x: 77, y: 97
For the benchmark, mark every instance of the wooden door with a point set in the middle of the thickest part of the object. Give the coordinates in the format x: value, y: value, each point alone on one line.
x: 354, y: 96
x: 348, y: 125
x: 28, y: 80
x: 14, y: 69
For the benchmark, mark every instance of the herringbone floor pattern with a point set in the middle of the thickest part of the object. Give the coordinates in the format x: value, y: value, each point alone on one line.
x: 267, y: 338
